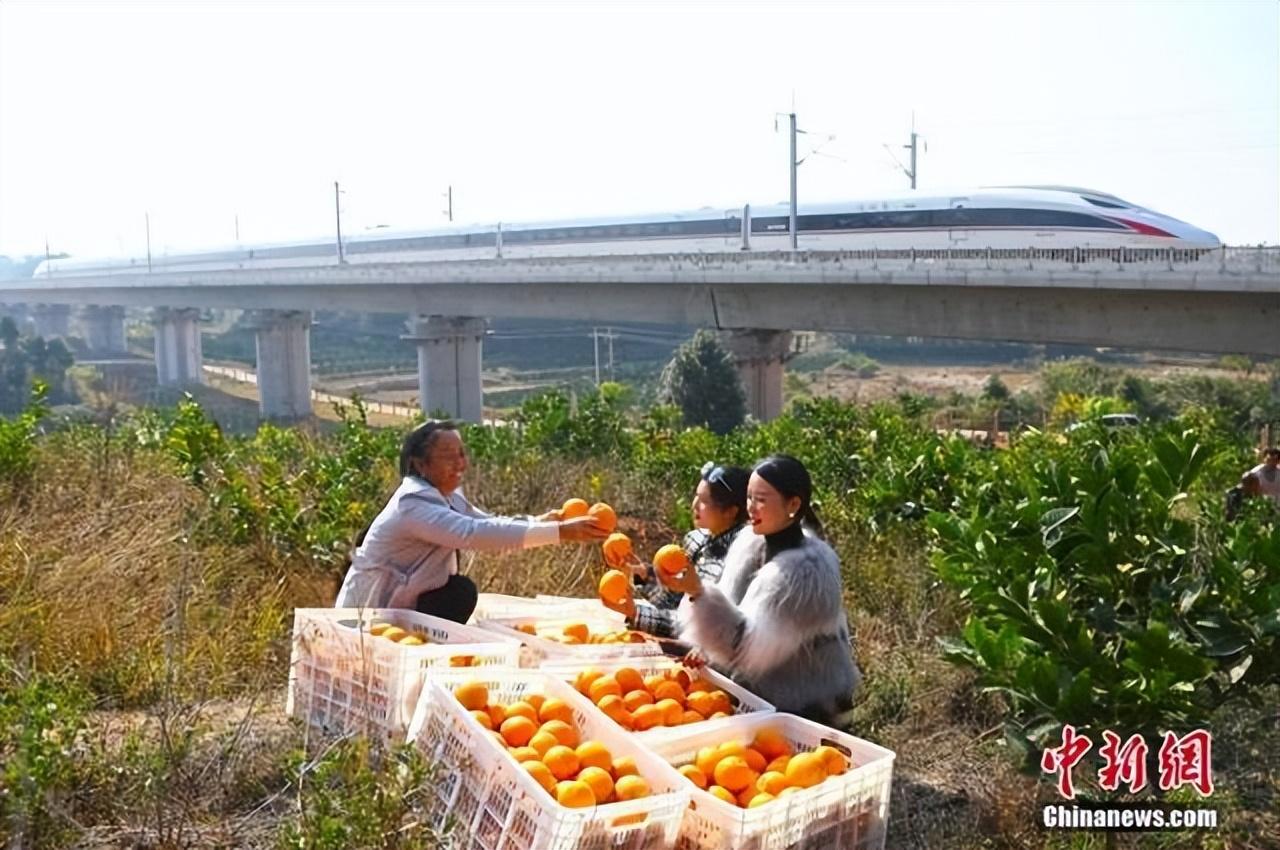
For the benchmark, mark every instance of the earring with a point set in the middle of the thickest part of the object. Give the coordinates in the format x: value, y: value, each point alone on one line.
x: 792, y: 515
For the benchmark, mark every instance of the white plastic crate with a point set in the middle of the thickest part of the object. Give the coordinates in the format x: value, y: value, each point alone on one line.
x: 848, y: 812
x: 342, y: 679
x: 585, y: 607
x: 535, y: 650
x: 497, y: 606
x: 496, y: 805
x: 744, y: 702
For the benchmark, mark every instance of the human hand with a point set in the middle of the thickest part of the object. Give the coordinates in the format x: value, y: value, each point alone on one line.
x: 686, y: 582
x: 626, y: 606
x: 583, y: 529
x: 553, y: 515
x: 694, y: 659
x: 638, y: 568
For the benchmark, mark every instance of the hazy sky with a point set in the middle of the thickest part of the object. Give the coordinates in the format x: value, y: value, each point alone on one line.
x: 196, y: 112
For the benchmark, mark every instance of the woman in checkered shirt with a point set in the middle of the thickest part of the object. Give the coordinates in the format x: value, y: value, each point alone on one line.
x: 719, y: 513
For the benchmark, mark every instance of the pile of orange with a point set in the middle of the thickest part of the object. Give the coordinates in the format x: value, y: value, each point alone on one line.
x: 404, y: 637
x: 575, y: 634
x: 395, y: 634
x: 638, y: 703
x: 539, y: 732
x: 768, y: 769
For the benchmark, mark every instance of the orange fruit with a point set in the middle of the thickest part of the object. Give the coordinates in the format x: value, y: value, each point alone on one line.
x: 746, y: 795
x: 790, y: 789
x: 631, y: 787
x: 706, y: 760
x: 721, y: 702
x: 574, y: 508
x: 522, y: 709
x: 635, y: 699
x: 701, y: 702
x: 497, y: 714
x: 698, y: 685
x: 671, y: 559
x: 629, y: 679
x: 577, y: 630
x: 731, y: 748
x: 603, y: 687
x: 482, y: 717
x: 691, y: 716
x: 615, y: 587
x: 697, y: 777
x: 772, y: 743
x: 771, y: 782
x: 832, y: 759
x: 625, y: 766
x: 672, y: 713
x: 756, y: 760
x: 527, y: 628
x: 563, y: 762
x: 542, y: 741
x: 760, y: 799
x: 575, y: 795
x: 540, y: 774
x: 376, y: 629
x: 647, y: 717
x: 806, y: 770
x: 555, y: 709
x: 669, y: 690
x: 523, y: 754
x: 733, y: 773
x: 473, y: 695
x: 565, y: 734
x: 594, y: 754
x: 600, y: 781
x: 584, y: 680
x: 615, y: 710
x: 718, y: 714
x: 605, y: 517
x: 779, y: 764
x: 518, y: 730
x: 617, y: 548
x: 412, y: 640
x: 394, y: 633
x: 652, y: 682
x: 723, y: 794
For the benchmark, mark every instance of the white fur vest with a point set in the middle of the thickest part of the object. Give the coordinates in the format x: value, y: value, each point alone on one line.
x: 779, y: 626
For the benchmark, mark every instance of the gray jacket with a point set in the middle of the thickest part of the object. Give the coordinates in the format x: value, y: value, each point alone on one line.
x: 779, y: 627
x: 412, y: 546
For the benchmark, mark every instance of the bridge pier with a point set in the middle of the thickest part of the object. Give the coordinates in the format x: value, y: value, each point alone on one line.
x: 51, y: 320
x: 104, y: 329
x: 759, y: 355
x: 449, y: 365
x: 284, y: 362
x: 179, y: 358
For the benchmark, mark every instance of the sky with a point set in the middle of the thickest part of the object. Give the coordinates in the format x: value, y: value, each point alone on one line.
x: 207, y: 116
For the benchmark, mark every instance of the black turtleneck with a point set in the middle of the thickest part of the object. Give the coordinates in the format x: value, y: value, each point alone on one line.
x: 788, y: 538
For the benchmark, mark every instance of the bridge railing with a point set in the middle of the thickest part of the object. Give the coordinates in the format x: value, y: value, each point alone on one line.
x: 1226, y: 258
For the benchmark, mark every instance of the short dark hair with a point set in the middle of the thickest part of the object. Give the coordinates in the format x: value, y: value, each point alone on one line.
x: 418, y: 442
x: 1272, y: 451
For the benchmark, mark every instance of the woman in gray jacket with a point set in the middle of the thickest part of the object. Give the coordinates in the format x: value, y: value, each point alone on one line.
x: 408, y: 556
x: 775, y: 622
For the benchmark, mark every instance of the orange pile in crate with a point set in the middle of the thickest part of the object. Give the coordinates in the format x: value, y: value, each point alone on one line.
x: 540, y: 734
x: 750, y: 775
x: 575, y: 634
x: 405, y: 637
x: 639, y: 703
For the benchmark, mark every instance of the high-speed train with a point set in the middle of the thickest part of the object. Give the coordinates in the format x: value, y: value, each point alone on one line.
x: 1054, y: 217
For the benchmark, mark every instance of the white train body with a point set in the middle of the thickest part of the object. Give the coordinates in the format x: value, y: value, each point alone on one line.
x: 1042, y: 217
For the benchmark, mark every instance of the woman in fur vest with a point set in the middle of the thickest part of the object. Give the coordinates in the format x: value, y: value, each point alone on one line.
x: 775, y: 621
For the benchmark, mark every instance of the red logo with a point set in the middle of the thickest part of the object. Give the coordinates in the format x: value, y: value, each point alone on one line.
x: 1062, y: 759
x: 1187, y: 761
x: 1183, y: 761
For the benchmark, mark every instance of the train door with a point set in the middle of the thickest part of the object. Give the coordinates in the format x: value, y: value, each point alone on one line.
x: 958, y: 221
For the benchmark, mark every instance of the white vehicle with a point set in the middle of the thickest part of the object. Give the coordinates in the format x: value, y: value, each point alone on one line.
x: 1014, y: 217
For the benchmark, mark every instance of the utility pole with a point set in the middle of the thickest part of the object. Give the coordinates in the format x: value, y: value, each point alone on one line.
x: 337, y: 212
x: 237, y: 228
x: 449, y: 197
x: 912, y: 147
x: 794, y: 235
x: 48, y: 258
x: 595, y: 342
x: 147, y: 218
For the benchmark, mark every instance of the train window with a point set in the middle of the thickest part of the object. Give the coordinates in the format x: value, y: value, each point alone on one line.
x: 1107, y: 204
